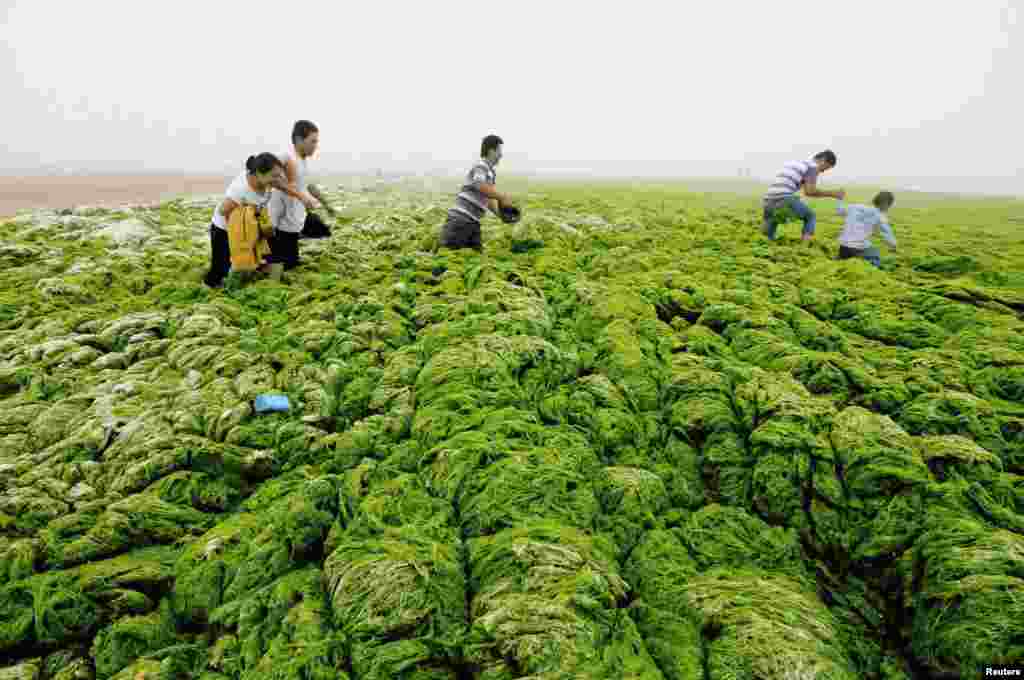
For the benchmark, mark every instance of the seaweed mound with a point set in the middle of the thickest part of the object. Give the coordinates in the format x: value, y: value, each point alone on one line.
x: 632, y: 439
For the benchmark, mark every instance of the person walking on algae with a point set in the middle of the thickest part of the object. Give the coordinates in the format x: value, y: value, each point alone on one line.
x: 478, y: 194
x: 861, y: 222
x: 782, y: 198
x: 250, y: 188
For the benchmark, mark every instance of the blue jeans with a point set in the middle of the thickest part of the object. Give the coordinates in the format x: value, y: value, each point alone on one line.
x: 872, y: 254
x: 799, y: 208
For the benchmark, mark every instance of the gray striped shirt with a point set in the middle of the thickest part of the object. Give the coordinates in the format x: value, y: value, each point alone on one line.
x: 470, y: 202
x: 789, y: 180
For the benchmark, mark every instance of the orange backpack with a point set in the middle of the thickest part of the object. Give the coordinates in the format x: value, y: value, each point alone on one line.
x: 248, y: 230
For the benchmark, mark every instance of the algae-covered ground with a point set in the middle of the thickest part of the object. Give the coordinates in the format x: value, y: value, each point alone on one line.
x: 633, y: 439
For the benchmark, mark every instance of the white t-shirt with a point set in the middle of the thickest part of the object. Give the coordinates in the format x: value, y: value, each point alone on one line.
x: 240, y: 192
x: 287, y: 213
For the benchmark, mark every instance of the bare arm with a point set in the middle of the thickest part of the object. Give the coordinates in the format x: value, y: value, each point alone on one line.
x: 491, y: 191
x: 811, y: 190
x: 227, y: 207
x: 314, y: 190
x: 887, y: 234
x: 287, y: 184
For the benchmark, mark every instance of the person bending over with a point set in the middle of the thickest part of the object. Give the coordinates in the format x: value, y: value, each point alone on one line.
x: 290, y: 211
x: 783, y: 193
x: 251, y: 187
x: 479, y: 193
x: 861, y: 222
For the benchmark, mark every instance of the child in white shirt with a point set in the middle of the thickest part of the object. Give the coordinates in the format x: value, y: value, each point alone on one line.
x: 861, y: 222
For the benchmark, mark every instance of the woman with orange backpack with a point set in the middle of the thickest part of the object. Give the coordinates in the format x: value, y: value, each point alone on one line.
x: 250, y: 192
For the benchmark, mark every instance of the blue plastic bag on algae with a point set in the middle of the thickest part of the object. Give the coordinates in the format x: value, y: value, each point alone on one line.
x: 266, y: 403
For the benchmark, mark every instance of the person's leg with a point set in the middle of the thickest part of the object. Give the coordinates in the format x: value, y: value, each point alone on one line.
x: 457, y: 232
x: 804, y: 212
x: 284, y: 248
x: 473, y: 235
x: 220, y: 257
x: 769, y: 225
x: 447, y: 237
x: 288, y: 243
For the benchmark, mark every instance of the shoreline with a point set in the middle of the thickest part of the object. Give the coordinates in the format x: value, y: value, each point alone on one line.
x: 59, y: 192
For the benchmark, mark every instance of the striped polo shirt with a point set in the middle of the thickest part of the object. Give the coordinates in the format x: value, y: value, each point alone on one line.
x: 470, y: 202
x: 790, y: 179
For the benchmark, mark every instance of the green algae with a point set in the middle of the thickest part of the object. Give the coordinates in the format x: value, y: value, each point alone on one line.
x: 129, y: 638
x: 281, y: 630
x: 766, y: 626
x: 966, y: 610
x: 633, y: 501
x: 722, y: 536
x: 659, y: 569
x: 396, y: 583
x: 512, y: 425
x: 545, y: 601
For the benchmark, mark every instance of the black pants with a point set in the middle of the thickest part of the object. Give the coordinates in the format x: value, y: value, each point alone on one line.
x: 284, y: 248
x: 461, y: 232
x: 870, y: 254
x: 314, y: 227
x: 220, y: 257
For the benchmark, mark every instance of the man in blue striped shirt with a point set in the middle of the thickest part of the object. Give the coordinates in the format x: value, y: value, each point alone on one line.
x: 783, y: 192
x: 477, y: 195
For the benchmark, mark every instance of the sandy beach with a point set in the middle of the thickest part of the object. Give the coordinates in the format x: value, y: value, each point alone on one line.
x: 18, y: 193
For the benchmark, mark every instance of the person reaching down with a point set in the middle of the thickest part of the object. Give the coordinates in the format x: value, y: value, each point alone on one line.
x: 290, y: 212
x: 861, y: 222
x: 250, y: 187
x: 479, y: 193
x: 783, y: 193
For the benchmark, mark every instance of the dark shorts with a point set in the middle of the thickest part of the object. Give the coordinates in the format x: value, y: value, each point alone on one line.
x: 461, y: 231
x: 314, y: 227
x: 284, y: 249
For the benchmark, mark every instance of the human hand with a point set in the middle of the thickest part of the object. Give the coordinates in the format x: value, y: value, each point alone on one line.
x: 309, y: 202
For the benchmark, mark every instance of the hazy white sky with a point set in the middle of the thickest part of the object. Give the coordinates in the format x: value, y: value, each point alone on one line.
x: 898, y: 88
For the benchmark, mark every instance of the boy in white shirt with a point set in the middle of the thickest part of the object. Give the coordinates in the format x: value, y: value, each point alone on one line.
x: 861, y: 222
x: 292, y: 213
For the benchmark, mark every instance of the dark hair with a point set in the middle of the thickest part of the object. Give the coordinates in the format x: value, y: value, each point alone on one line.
x: 265, y: 162
x: 884, y: 200
x: 303, y: 129
x: 828, y: 156
x: 490, y: 142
